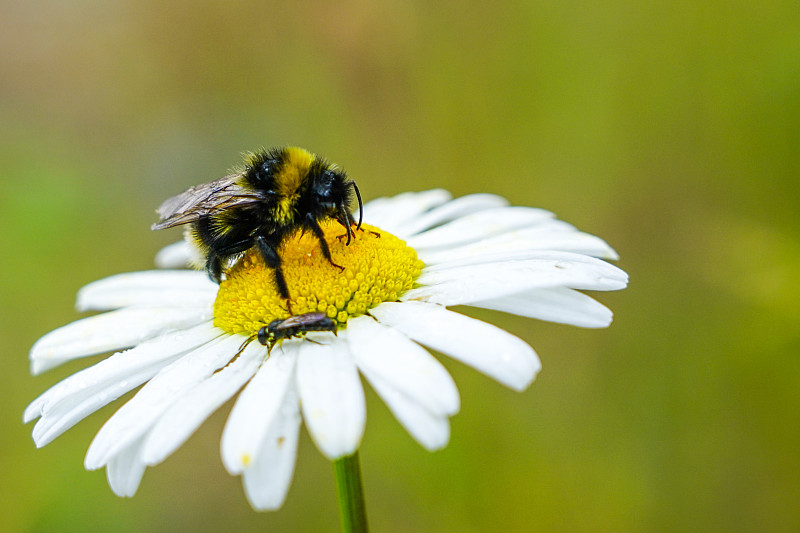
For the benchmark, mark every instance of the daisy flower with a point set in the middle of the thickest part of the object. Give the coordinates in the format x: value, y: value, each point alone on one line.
x: 183, y: 337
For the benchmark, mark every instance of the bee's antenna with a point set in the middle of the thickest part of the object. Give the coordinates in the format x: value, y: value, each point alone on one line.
x: 360, y: 206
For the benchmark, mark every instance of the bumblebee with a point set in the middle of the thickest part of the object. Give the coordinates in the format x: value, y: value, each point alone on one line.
x: 278, y: 192
x: 294, y: 326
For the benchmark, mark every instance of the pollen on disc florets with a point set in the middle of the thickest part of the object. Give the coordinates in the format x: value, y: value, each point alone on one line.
x: 378, y: 267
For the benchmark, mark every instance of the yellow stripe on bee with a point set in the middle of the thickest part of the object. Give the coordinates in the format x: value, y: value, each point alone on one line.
x: 294, y: 169
x: 283, y: 213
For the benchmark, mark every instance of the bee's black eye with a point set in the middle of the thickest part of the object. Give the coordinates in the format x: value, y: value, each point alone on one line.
x: 325, y: 183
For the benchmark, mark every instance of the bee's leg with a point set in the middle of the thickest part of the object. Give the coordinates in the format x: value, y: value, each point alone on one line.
x: 341, y: 237
x: 312, y: 223
x: 273, y: 260
x: 347, y: 222
x: 214, y: 267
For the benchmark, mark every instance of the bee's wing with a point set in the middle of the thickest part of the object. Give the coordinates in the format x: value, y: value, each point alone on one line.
x: 202, y: 200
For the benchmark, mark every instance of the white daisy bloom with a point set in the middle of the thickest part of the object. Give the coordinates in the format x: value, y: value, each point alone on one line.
x: 181, y: 336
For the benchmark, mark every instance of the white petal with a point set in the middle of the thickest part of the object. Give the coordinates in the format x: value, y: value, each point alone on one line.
x: 185, y: 415
x: 521, y: 244
x: 390, y: 214
x: 556, y: 304
x: 267, y: 480
x: 178, y: 288
x: 256, y: 408
x: 331, y: 397
x: 463, y: 285
x: 125, y: 470
x: 177, y: 255
x: 72, y: 403
x: 403, y: 364
x: 476, y: 226
x: 102, y: 383
x: 452, y: 210
x: 567, y: 241
x: 432, y: 431
x: 140, y: 413
x: 60, y: 419
x: 111, y: 331
x: 487, y: 348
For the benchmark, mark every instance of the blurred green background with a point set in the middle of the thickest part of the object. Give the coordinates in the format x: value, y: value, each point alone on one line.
x: 668, y: 128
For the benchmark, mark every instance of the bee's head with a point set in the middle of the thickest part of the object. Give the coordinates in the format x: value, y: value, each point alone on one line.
x: 331, y: 189
x: 304, y: 181
x: 331, y: 194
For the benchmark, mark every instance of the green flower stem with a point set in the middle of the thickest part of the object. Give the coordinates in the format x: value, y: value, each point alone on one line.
x: 351, y: 494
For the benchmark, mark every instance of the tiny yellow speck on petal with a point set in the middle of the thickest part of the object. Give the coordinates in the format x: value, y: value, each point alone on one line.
x: 377, y: 268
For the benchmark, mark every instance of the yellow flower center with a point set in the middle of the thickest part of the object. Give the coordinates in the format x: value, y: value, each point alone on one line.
x: 378, y: 267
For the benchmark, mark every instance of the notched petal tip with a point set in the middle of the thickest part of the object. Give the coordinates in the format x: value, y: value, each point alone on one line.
x: 32, y: 412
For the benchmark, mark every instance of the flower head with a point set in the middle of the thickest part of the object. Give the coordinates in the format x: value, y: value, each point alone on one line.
x: 185, y: 338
